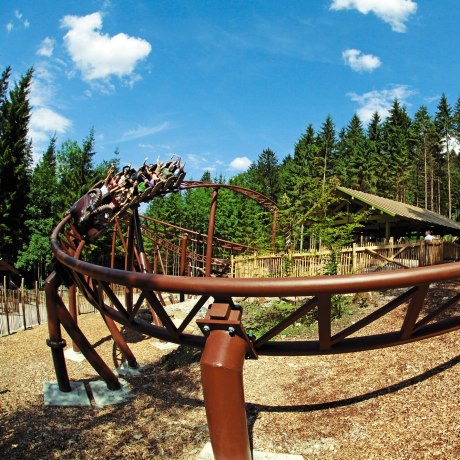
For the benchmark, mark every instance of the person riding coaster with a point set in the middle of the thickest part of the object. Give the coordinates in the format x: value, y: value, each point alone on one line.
x: 112, y: 197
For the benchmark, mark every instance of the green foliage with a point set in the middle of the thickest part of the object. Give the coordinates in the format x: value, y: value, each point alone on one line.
x: 260, y: 317
x: 324, y: 225
x: 75, y: 169
x: 15, y: 162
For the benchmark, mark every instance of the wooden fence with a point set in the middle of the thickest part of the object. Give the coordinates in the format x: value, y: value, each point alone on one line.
x: 22, y: 308
x: 353, y: 259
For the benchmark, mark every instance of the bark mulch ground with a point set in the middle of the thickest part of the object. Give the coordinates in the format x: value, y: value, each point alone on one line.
x: 395, y: 403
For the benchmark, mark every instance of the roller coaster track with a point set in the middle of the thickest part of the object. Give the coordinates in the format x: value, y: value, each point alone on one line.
x: 223, y: 338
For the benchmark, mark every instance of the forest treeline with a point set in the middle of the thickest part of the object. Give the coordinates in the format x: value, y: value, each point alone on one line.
x: 409, y: 159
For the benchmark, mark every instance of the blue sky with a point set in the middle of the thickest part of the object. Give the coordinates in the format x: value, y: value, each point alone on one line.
x: 219, y: 81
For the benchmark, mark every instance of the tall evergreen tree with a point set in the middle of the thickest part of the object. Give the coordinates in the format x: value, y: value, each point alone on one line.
x: 42, y: 211
x: 326, y: 144
x: 375, y: 146
x: 76, y: 172
x: 15, y: 162
x: 425, y: 142
x: 396, y: 156
x: 355, y: 166
x: 266, y: 174
x: 445, y: 124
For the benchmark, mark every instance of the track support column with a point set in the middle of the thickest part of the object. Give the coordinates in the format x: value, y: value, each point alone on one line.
x: 55, y: 341
x: 226, y: 348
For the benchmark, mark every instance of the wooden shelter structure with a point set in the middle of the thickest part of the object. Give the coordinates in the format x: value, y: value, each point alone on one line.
x: 9, y: 276
x: 388, y: 218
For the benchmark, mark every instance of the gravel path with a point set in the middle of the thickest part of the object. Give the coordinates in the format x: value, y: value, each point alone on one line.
x: 398, y: 403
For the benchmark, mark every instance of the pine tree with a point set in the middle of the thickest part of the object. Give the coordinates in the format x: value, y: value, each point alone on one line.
x: 375, y: 146
x: 425, y: 143
x: 445, y: 124
x: 396, y: 156
x: 42, y: 211
x: 76, y: 172
x: 266, y: 173
x: 326, y: 143
x: 355, y: 166
x: 456, y: 162
x: 15, y: 162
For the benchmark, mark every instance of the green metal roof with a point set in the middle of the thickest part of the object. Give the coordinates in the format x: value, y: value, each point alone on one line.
x: 402, y: 210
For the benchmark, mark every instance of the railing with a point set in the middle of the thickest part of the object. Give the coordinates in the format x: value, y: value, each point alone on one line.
x: 353, y: 259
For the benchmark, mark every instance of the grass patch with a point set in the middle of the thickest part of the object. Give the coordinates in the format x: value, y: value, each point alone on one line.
x: 261, y: 315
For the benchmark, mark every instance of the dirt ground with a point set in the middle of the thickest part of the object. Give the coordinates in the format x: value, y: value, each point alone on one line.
x: 395, y: 403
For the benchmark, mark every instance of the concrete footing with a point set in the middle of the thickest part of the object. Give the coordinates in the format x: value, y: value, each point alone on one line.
x: 206, y: 454
x: 72, y: 355
x: 102, y: 396
x: 53, y: 396
x: 105, y: 397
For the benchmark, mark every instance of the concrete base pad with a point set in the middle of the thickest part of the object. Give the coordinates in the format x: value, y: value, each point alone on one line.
x: 74, y: 355
x: 55, y: 397
x: 124, y: 369
x: 206, y: 454
x: 165, y: 345
x: 105, y: 397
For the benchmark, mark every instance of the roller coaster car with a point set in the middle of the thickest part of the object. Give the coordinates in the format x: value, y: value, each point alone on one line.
x: 90, y: 215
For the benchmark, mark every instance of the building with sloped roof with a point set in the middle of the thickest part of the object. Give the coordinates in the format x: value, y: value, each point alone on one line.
x: 388, y: 218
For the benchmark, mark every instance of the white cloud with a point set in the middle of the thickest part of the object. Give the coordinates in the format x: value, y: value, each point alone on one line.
x: 241, y: 163
x: 393, y: 12
x: 454, y: 144
x: 45, y: 121
x: 18, y: 22
x: 99, y: 56
x: 143, y: 131
x: 360, y: 62
x: 380, y: 101
x: 46, y: 47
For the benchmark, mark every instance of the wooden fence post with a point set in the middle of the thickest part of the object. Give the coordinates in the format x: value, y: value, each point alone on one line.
x: 353, y: 258
x: 37, y: 302
x: 421, y: 259
x: 5, y: 297
x: 23, y: 302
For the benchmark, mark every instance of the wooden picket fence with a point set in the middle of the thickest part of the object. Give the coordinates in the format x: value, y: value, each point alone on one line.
x: 22, y: 308
x: 353, y: 259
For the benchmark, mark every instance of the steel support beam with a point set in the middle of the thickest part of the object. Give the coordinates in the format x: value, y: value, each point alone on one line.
x: 222, y: 379
x: 55, y: 341
x: 211, y: 224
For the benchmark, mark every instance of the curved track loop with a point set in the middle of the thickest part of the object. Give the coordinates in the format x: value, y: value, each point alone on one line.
x: 93, y: 280
x: 224, y: 340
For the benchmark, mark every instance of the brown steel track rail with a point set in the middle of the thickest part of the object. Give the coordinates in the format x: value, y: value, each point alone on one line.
x: 320, y: 288
x: 223, y: 338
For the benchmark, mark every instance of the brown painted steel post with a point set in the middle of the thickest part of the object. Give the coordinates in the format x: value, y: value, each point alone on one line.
x: 55, y: 341
x: 73, y: 297
x: 120, y: 341
x: 129, y: 264
x: 210, y: 239
x: 114, y: 241
x: 222, y: 379
x: 183, y: 261
x: 73, y: 311
x: 37, y: 302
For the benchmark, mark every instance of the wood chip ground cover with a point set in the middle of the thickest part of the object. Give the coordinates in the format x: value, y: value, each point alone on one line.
x: 395, y: 403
